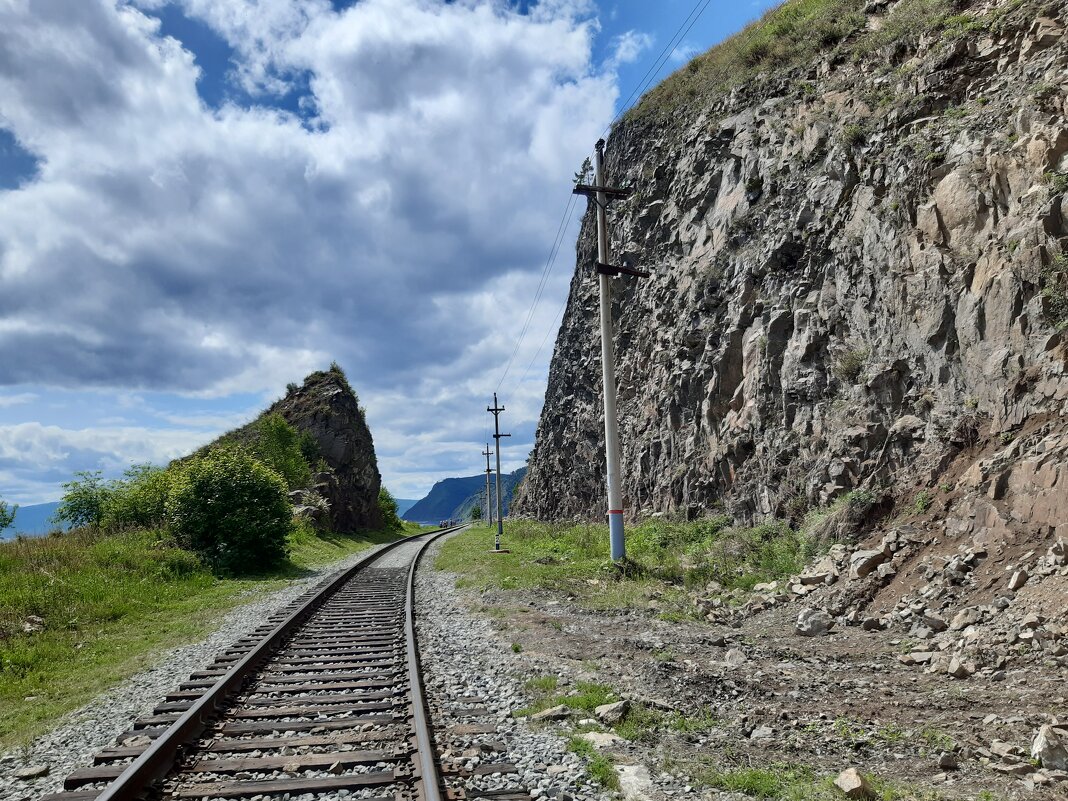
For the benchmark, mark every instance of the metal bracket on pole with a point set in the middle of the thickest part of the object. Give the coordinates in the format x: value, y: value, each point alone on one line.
x: 613, y: 270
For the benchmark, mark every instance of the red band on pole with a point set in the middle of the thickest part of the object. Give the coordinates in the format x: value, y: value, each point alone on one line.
x: 615, y: 511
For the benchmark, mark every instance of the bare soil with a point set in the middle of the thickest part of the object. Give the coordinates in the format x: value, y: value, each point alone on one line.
x: 832, y: 702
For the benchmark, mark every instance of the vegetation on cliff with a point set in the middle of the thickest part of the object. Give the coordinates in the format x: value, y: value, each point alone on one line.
x: 800, y: 31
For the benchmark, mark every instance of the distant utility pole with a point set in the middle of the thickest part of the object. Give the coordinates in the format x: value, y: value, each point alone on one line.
x: 496, y: 411
x: 489, y: 498
x: 601, y: 195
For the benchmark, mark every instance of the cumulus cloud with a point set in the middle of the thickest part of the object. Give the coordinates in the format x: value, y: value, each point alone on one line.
x: 398, y: 225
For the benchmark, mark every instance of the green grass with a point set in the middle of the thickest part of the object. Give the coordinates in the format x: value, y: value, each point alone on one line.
x: 794, y: 34
x: 598, y: 765
x: 109, y: 603
x: 585, y: 697
x: 666, y: 560
x: 790, y: 782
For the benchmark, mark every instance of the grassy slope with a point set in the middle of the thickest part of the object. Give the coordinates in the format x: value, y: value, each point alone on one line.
x: 110, y: 603
x: 797, y: 33
x: 665, y: 559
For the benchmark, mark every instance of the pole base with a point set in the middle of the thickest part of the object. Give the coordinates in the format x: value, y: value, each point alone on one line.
x: 499, y: 550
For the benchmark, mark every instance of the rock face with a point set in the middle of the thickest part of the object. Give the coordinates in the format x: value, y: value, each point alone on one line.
x: 858, y: 280
x: 326, y: 408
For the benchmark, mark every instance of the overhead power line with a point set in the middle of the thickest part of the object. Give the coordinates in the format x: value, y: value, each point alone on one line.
x: 677, y: 38
x: 691, y: 19
x: 561, y: 230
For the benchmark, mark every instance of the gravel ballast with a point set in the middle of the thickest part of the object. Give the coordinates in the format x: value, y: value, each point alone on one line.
x: 462, y: 657
x: 81, y: 733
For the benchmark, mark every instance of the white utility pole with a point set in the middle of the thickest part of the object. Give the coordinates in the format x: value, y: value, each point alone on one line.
x: 489, y: 498
x: 496, y: 411
x: 601, y: 194
x: 608, y: 370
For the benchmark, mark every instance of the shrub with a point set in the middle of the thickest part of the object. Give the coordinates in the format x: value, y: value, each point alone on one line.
x: 387, y: 506
x: 850, y: 363
x: 278, y: 445
x: 83, y: 500
x: 7, y: 515
x: 231, y: 510
x: 140, y: 500
x: 853, y: 135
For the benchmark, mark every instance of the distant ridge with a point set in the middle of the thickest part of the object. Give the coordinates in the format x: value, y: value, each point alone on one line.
x: 33, y: 520
x: 454, y: 497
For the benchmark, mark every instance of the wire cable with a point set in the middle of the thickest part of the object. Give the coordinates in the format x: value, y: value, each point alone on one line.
x: 676, y: 39
x: 565, y: 221
x: 696, y: 12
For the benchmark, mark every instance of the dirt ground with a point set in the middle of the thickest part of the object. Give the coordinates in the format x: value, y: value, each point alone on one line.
x: 829, y: 703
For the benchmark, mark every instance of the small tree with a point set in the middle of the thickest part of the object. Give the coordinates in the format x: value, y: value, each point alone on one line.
x: 83, y: 500
x: 140, y: 499
x: 230, y: 509
x: 7, y: 514
x: 476, y: 512
x: 387, y: 505
x: 585, y: 173
x: 278, y: 445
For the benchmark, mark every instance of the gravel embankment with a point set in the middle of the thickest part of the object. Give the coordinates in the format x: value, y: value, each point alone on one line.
x: 462, y: 657
x: 83, y: 732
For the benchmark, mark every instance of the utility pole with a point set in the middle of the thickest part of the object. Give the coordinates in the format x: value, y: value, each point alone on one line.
x: 489, y: 498
x: 601, y: 195
x: 496, y: 411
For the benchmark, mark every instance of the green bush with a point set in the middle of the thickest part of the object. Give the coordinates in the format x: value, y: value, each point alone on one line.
x: 138, y: 501
x: 7, y: 515
x: 387, y: 506
x: 83, y: 500
x: 278, y: 445
x: 231, y: 510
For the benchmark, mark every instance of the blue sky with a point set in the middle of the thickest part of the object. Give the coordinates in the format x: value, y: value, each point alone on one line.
x: 202, y: 200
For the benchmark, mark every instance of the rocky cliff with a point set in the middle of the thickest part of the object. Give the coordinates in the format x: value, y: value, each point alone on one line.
x: 326, y: 408
x: 859, y: 280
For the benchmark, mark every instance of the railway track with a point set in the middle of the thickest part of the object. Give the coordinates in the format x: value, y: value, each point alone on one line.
x: 325, y: 700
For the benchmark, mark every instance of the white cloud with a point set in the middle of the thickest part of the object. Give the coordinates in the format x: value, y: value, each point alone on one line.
x: 628, y: 48
x: 169, y: 246
x: 683, y: 52
x: 17, y: 399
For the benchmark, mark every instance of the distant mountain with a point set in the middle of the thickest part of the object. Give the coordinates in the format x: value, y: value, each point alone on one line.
x: 32, y: 520
x: 403, y: 505
x: 454, y: 497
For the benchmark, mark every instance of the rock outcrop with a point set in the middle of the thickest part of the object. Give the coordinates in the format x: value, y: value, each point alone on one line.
x: 859, y: 281
x: 327, y: 408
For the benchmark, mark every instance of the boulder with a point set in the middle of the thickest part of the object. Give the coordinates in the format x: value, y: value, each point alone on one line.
x: 735, y: 657
x: 964, y: 618
x: 813, y: 623
x: 1050, y: 748
x: 862, y: 563
x: 31, y: 772
x: 853, y: 784
x: 552, y: 713
x: 823, y: 572
x: 610, y: 714
x: 601, y: 739
x: 1017, y: 580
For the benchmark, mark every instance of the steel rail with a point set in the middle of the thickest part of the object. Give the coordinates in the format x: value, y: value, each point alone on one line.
x: 427, y: 770
x: 159, y: 758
